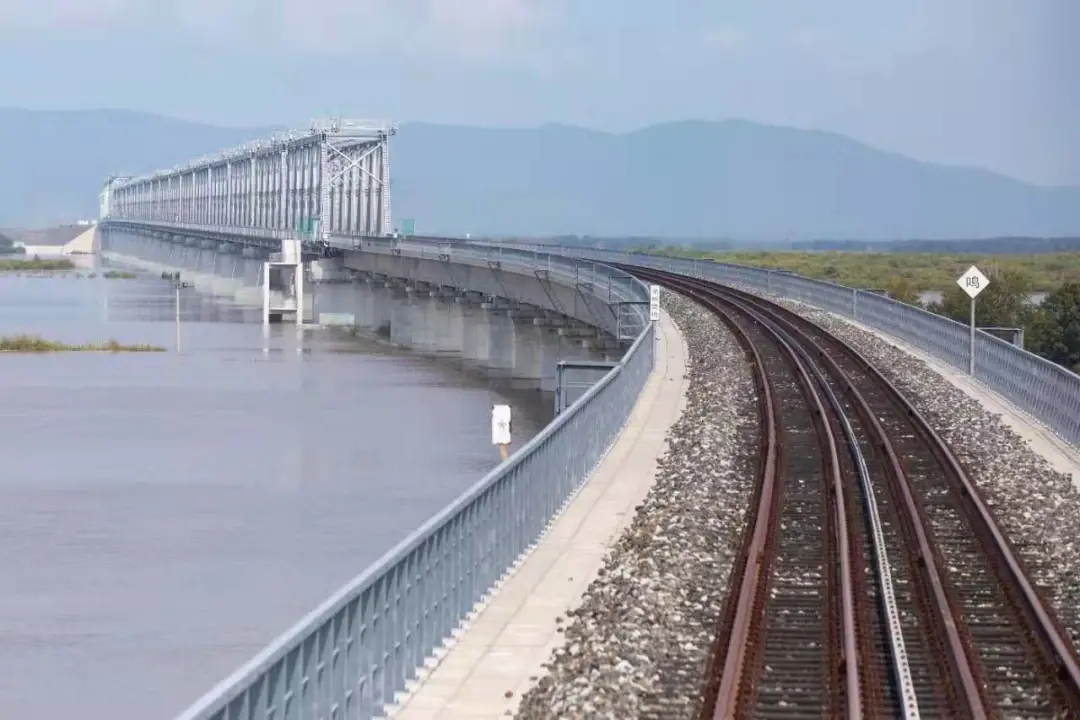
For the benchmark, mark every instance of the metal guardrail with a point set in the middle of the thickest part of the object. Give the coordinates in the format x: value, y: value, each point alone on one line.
x: 349, y: 657
x: 614, y: 289
x: 1048, y: 392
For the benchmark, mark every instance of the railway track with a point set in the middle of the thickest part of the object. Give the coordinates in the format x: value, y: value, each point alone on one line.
x: 873, y: 581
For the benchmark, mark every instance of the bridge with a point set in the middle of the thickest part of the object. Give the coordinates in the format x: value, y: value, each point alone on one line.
x: 268, y: 222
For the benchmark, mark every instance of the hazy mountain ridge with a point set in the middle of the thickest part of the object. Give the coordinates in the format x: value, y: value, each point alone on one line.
x: 688, y: 179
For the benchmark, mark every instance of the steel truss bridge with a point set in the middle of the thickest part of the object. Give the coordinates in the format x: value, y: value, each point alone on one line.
x: 331, y: 179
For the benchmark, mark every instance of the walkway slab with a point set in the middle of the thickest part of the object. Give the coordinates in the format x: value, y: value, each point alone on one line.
x: 1062, y: 456
x: 500, y: 655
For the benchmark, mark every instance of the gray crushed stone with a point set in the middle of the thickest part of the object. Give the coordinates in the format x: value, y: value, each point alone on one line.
x: 1037, y: 507
x: 638, y: 645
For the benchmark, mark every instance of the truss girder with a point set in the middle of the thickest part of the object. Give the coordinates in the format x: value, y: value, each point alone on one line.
x: 332, y: 179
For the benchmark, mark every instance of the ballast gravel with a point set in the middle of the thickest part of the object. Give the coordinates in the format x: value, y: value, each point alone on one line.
x: 638, y: 645
x: 1037, y: 507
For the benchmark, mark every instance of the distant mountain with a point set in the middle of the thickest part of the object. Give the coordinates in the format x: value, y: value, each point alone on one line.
x: 53, y: 164
x: 684, y: 180
x: 704, y: 179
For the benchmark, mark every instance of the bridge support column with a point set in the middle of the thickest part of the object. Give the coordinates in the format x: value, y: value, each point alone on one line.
x: 549, y: 357
x: 501, y: 346
x: 286, y: 269
x: 450, y: 325
x: 528, y: 358
x: 476, y: 346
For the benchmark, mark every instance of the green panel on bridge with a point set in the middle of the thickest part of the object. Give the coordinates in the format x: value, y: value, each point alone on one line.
x: 305, y: 227
x: 407, y: 225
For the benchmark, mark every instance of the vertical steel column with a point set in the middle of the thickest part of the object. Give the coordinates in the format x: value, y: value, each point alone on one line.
x: 283, y: 195
x: 250, y: 192
x: 354, y: 200
x: 384, y: 190
x: 325, y: 218
x: 227, y: 219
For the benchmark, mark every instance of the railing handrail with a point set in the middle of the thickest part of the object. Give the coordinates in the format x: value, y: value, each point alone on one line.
x: 216, y: 698
x: 847, y: 288
x: 1021, y: 376
x: 221, y: 696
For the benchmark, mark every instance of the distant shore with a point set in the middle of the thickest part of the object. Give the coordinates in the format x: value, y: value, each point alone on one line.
x: 35, y: 344
x: 12, y: 264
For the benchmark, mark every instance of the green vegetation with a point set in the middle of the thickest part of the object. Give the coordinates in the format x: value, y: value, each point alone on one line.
x: 118, y: 275
x: 917, y: 271
x: 1054, y: 328
x: 34, y: 344
x: 35, y: 264
x: 1051, y: 329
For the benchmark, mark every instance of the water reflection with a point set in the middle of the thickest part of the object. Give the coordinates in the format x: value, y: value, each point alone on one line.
x: 163, y: 515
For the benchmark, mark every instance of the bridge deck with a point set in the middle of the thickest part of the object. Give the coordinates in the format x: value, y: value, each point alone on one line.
x: 489, y: 668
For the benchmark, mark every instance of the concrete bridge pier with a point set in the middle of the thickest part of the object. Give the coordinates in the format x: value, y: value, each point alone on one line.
x: 501, y: 345
x: 449, y: 326
x: 477, y: 338
x: 528, y: 367
x: 411, y: 320
x: 226, y: 262
x: 378, y: 305
x: 207, y: 260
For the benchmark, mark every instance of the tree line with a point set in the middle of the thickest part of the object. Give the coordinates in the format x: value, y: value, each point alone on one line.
x: 1051, y: 328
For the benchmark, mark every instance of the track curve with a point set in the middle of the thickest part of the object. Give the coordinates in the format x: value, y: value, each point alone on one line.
x: 921, y: 606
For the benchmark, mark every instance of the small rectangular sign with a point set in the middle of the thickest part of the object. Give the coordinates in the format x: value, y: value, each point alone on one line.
x: 337, y: 319
x: 654, y: 303
x: 500, y: 425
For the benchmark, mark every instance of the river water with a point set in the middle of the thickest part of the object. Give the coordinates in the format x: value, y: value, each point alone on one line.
x: 164, y: 515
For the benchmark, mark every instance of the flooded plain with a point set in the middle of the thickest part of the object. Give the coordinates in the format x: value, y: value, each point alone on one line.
x: 164, y: 515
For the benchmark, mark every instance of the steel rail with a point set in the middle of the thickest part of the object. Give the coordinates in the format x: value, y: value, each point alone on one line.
x: 1044, y: 626
x: 753, y: 580
x: 900, y: 668
x: 964, y: 675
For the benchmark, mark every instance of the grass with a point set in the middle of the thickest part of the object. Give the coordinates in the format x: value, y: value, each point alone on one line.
x: 118, y: 275
x: 925, y: 271
x: 33, y: 264
x: 35, y: 344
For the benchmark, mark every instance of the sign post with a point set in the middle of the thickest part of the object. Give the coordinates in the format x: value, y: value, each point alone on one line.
x: 654, y: 303
x: 972, y: 282
x: 500, y: 428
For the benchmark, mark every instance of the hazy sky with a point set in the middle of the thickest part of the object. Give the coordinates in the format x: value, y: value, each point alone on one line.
x: 994, y: 83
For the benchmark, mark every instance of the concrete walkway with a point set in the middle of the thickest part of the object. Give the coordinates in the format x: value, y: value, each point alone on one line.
x: 1062, y: 456
x: 500, y: 654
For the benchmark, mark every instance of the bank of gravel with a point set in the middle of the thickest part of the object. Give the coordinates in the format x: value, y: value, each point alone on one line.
x: 638, y: 645
x: 1038, y: 507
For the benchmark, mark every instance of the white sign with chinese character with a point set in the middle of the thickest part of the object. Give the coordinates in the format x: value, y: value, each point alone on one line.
x: 500, y: 425
x: 654, y: 303
x: 972, y: 282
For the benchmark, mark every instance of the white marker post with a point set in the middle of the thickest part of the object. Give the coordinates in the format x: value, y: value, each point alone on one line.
x: 500, y: 428
x: 177, y: 285
x: 972, y: 282
x: 654, y: 303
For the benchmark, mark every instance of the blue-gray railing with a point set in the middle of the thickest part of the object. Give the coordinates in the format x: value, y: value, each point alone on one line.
x: 350, y: 656
x: 1048, y: 392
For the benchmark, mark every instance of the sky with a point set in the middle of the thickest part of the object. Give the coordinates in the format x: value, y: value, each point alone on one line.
x: 991, y: 83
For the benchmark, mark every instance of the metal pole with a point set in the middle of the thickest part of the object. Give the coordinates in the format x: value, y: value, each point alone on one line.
x: 177, y: 288
x: 971, y: 353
